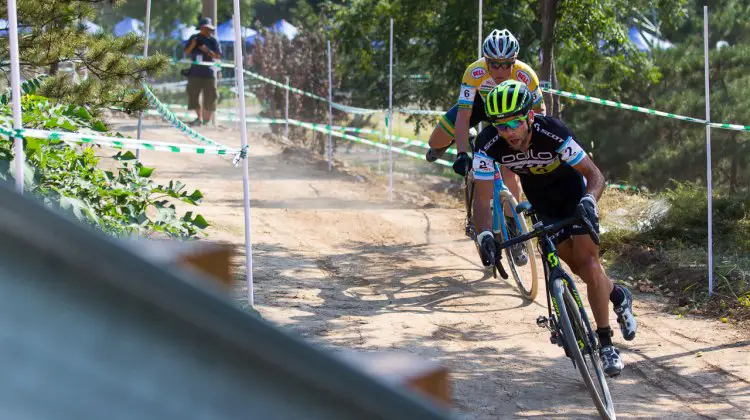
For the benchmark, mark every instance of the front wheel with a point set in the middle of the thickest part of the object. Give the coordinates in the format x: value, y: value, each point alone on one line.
x: 526, y: 281
x: 583, y: 352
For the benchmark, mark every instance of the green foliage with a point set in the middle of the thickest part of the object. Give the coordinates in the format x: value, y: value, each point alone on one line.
x: 670, y: 253
x: 56, y: 38
x: 441, y: 40
x: 277, y: 58
x: 653, y: 151
x: 687, y: 218
x: 121, y: 202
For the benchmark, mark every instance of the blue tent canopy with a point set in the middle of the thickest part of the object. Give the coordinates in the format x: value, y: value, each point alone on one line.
x: 4, y: 28
x: 285, y: 28
x: 645, y: 41
x: 127, y: 26
x: 182, y: 31
x: 225, y: 32
x: 91, y: 27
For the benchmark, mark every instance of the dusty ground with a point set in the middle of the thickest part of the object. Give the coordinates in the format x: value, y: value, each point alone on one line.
x: 339, y: 264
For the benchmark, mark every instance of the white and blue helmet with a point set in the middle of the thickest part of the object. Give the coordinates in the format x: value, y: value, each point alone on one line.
x: 500, y: 45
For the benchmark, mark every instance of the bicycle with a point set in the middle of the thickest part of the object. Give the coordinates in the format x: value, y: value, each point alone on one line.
x: 569, y: 329
x: 504, y: 203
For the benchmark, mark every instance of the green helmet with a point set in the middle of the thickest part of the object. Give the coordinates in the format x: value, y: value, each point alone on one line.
x: 508, y: 99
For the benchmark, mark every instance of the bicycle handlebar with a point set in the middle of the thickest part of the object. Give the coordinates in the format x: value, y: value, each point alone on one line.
x: 552, y: 228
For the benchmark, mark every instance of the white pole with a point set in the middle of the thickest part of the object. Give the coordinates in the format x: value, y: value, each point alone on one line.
x: 15, y: 81
x: 286, y: 111
x: 709, y: 181
x: 479, y: 39
x: 330, y: 108
x: 145, y: 54
x: 239, y: 71
x: 390, y: 121
x: 479, y: 42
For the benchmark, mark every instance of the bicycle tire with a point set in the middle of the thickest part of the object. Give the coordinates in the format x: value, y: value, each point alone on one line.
x: 469, y: 203
x: 530, y: 288
x: 574, y: 333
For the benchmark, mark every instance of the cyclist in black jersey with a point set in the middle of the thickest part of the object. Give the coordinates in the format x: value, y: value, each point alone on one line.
x: 556, y: 175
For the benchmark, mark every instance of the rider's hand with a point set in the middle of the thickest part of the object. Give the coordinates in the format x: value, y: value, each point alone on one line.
x: 486, y: 241
x: 592, y: 209
x: 462, y: 164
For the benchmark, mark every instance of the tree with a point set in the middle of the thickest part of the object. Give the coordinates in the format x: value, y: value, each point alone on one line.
x: 305, y: 62
x: 53, y: 34
x: 440, y: 41
x: 654, y: 151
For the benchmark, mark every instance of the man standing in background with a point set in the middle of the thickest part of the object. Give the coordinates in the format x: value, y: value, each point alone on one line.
x: 203, y: 47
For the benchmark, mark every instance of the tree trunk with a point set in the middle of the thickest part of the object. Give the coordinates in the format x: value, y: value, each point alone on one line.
x: 53, y: 68
x: 556, y: 108
x: 209, y: 10
x: 549, y: 16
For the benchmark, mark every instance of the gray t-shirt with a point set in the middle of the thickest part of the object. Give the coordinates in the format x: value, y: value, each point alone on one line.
x: 197, y: 55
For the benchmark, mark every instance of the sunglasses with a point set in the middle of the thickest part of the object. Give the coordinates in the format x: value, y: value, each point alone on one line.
x: 495, y: 65
x: 510, y: 125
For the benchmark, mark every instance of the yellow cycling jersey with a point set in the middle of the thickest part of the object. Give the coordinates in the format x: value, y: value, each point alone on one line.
x: 477, y: 77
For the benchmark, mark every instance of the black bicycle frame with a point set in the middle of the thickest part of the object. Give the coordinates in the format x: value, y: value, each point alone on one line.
x: 554, y: 271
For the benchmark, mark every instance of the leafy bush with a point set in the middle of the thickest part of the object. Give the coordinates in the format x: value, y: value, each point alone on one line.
x: 121, y: 202
x: 670, y: 254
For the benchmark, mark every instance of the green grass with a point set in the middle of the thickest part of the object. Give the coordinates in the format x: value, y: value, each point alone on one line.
x: 670, y: 255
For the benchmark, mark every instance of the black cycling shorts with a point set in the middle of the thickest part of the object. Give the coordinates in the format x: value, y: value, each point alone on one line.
x: 478, y: 114
x: 557, y: 201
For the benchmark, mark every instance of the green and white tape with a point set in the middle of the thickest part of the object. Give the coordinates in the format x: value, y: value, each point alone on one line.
x: 354, y: 110
x: 168, y: 116
x: 341, y: 107
x: 621, y: 105
x: 116, y: 142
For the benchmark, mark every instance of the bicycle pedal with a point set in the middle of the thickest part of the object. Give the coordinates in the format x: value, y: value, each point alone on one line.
x: 542, y: 321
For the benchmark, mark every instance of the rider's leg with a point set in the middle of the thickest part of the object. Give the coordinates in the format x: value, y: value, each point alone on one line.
x: 565, y: 250
x: 585, y: 257
x: 583, y: 254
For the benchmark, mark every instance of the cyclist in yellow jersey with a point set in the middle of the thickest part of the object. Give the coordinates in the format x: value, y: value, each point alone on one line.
x: 499, y: 64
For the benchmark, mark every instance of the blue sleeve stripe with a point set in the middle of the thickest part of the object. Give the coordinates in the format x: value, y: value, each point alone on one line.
x: 578, y: 159
x: 565, y: 143
x: 484, y: 176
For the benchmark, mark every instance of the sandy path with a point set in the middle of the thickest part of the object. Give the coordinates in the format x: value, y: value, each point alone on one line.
x: 340, y: 265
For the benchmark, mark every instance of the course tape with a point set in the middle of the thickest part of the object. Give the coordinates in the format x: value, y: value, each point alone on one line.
x: 341, y: 107
x: 346, y: 108
x: 115, y: 142
x: 168, y: 116
x: 736, y: 127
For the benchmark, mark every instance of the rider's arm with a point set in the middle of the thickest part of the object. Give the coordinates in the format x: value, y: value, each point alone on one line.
x: 462, y: 129
x: 484, y: 186
x: 511, y: 181
x: 466, y: 97
x: 594, y: 179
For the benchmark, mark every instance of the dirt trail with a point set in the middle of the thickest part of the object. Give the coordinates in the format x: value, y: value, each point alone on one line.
x: 339, y: 264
